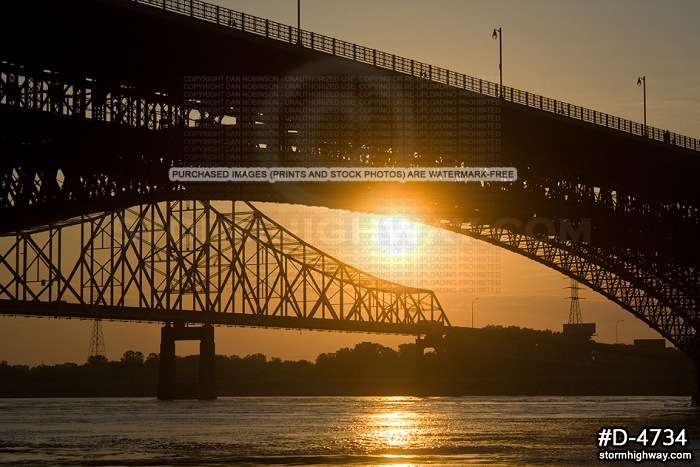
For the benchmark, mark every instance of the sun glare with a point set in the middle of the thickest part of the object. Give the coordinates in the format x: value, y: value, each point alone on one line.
x: 396, y: 236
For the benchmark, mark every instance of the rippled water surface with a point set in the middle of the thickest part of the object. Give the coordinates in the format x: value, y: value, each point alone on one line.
x: 327, y: 430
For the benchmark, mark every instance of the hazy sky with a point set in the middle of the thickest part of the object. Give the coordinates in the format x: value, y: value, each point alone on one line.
x: 588, y: 53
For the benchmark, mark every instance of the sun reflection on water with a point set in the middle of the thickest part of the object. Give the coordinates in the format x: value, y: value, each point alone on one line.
x: 395, y: 429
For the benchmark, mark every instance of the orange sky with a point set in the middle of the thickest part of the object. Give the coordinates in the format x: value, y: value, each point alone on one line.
x: 520, y: 292
x: 587, y: 53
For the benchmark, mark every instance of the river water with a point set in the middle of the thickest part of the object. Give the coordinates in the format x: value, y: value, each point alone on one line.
x: 328, y: 430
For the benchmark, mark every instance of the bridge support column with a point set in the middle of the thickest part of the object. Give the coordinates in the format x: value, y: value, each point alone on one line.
x: 167, y: 381
x: 207, y: 365
x: 168, y: 386
x: 420, y: 351
x: 419, y: 388
x: 429, y: 341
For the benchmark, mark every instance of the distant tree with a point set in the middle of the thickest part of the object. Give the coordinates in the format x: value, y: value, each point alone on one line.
x: 130, y: 367
x: 152, y: 359
x: 13, y: 373
x: 539, y: 358
x: 366, y: 360
x: 152, y: 365
x: 97, y: 360
x: 258, y: 358
x: 132, y: 358
x: 254, y: 366
x: 407, y: 351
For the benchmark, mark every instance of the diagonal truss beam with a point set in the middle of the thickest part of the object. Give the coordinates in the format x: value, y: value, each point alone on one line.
x: 185, y: 260
x: 673, y: 313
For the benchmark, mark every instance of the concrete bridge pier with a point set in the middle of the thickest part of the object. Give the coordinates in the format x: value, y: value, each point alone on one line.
x: 429, y: 341
x: 168, y: 386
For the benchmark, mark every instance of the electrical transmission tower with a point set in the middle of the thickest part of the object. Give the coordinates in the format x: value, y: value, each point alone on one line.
x: 575, y: 309
x: 97, y: 341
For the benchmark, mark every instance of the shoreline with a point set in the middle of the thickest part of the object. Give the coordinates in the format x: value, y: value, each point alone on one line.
x: 491, y: 386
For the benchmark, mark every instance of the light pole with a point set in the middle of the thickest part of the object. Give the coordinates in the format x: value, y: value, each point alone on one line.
x: 477, y: 298
x: 642, y: 80
x: 616, y: 325
x: 299, y: 22
x: 497, y: 34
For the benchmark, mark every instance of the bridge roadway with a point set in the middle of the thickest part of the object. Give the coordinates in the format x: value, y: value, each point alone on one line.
x: 626, y: 193
x: 133, y: 313
x: 143, y: 51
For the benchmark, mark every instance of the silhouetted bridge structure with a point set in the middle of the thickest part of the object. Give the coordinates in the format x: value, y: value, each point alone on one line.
x: 99, y: 98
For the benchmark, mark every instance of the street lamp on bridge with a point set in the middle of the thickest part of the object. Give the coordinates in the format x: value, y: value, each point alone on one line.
x: 477, y: 298
x: 616, y: 325
x: 497, y: 34
x: 299, y: 22
x: 642, y: 80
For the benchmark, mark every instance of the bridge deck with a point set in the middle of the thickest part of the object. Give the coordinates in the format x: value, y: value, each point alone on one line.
x: 636, y: 189
x: 317, y: 42
x: 62, y: 310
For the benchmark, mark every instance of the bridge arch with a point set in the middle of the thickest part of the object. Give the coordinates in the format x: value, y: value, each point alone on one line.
x: 83, y: 137
x: 671, y: 315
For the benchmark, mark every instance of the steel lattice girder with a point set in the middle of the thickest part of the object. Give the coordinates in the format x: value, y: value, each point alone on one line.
x: 183, y: 259
x: 647, y: 273
x: 669, y: 311
x: 44, y: 91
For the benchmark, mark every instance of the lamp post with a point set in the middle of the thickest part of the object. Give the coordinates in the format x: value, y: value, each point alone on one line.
x: 299, y: 22
x: 497, y: 34
x: 616, y: 325
x: 642, y: 80
x: 477, y: 298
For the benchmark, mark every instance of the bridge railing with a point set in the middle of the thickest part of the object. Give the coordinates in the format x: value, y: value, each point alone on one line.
x: 271, y: 29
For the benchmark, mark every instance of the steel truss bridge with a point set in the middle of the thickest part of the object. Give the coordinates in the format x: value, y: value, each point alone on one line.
x: 189, y: 261
x: 92, y: 119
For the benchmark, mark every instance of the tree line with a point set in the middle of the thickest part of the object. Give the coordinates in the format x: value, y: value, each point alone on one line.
x: 497, y: 360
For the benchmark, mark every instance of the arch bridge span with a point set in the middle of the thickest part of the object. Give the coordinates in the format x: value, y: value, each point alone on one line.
x: 93, y: 126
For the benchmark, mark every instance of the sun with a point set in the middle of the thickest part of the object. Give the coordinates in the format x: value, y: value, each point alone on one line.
x: 396, y: 236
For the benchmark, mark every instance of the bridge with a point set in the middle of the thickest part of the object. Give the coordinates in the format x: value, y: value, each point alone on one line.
x: 87, y: 142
